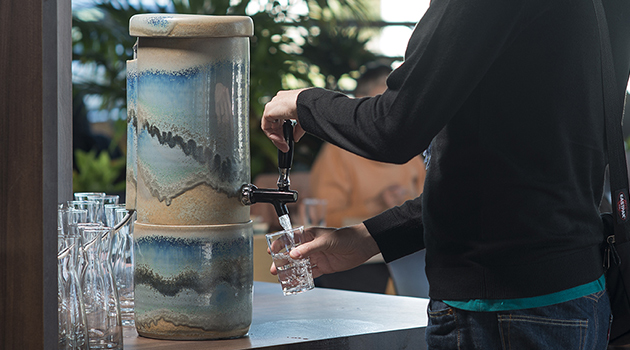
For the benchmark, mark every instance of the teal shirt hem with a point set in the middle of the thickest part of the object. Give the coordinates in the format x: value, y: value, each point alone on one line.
x: 528, y: 303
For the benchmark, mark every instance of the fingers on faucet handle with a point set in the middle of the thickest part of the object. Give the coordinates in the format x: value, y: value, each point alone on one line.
x: 285, y: 159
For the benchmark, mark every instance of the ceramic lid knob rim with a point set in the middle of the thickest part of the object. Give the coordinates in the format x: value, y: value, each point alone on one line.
x: 190, y: 26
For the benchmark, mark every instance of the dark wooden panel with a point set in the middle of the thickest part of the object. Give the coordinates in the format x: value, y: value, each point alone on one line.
x: 21, y: 296
x: 29, y: 186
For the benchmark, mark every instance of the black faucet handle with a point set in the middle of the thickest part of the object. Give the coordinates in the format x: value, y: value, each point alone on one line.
x: 285, y: 160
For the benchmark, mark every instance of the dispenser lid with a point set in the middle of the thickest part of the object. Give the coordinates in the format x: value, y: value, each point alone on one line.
x: 187, y: 26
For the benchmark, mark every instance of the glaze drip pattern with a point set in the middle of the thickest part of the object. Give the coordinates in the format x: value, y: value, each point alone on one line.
x: 132, y: 138
x: 228, y: 266
x: 223, y: 168
x: 192, y: 129
x: 201, y: 282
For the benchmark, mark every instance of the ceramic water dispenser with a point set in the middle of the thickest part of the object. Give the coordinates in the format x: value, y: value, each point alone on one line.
x: 188, y: 157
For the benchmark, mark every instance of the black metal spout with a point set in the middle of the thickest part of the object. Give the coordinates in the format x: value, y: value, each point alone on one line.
x: 251, y: 194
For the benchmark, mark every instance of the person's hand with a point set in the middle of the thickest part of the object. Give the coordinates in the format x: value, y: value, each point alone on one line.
x: 395, y: 195
x: 333, y: 250
x: 283, y: 106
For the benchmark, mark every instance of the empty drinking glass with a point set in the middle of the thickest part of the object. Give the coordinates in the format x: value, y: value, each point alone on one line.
x: 102, y: 307
x: 70, y: 216
x: 123, y: 264
x: 83, y: 196
x: 71, y: 312
x: 313, y: 212
x: 110, y: 213
x: 111, y: 199
x: 90, y: 206
x: 100, y: 208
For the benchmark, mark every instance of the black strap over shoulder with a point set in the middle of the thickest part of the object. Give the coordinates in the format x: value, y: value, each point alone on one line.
x: 613, y: 113
x: 617, y: 251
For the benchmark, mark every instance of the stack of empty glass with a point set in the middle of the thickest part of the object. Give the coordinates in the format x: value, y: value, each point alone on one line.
x: 122, y: 259
x: 90, y: 252
x: 72, y: 319
x: 100, y: 295
x: 101, y: 200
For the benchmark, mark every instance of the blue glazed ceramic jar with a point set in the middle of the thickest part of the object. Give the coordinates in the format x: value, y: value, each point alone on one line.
x: 188, y: 91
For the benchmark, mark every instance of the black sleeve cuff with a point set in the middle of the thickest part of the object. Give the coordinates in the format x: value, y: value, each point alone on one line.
x: 399, y: 230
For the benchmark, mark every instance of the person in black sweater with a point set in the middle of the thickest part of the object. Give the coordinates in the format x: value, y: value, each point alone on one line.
x: 509, y: 96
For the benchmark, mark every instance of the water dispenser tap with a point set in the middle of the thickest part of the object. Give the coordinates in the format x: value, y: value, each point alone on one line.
x: 285, y: 160
x: 251, y: 194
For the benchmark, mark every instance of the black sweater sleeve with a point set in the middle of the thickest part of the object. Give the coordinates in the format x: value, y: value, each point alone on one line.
x: 448, y: 54
x: 398, y: 231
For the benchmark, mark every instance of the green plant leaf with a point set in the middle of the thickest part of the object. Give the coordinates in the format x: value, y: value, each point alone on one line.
x: 284, y: 48
x: 97, y: 172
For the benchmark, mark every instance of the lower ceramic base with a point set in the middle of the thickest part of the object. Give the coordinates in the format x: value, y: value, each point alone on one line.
x: 193, y: 282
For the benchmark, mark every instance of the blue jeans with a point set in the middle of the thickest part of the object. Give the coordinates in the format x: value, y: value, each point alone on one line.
x: 582, y: 323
